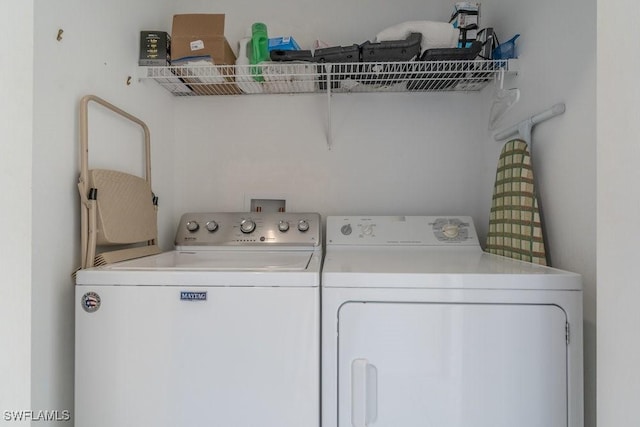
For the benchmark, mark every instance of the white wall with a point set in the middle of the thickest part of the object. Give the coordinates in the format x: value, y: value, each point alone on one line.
x: 16, y: 118
x: 391, y: 154
x: 618, y: 213
x: 98, y: 51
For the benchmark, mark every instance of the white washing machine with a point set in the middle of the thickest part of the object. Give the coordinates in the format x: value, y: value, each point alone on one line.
x: 223, y: 331
x: 421, y: 328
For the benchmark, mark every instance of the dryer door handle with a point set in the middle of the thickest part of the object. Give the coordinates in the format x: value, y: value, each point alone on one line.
x: 364, y: 393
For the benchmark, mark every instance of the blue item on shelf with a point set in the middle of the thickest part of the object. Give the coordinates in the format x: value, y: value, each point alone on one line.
x: 283, y: 43
x: 506, y: 50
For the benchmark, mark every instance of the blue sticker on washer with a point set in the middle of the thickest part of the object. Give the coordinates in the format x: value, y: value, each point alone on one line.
x: 193, y: 296
x: 90, y: 302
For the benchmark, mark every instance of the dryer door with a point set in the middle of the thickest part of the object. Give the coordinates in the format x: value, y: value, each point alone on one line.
x: 455, y: 365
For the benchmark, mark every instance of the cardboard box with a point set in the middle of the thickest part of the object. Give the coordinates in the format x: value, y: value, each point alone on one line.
x: 155, y: 48
x: 200, y: 37
x: 197, y: 35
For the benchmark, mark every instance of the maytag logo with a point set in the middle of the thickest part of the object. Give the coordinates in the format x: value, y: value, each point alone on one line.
x: 193, y: 296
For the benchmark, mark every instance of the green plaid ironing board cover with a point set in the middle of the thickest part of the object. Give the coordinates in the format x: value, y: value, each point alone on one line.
x: 515, y: 227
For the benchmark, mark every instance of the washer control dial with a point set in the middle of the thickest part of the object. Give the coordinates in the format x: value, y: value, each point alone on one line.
x: 283, y: 226
x: 346, y: 229
x: 247, y: 226
x: 193, y: 226
x: 303, y: 225
x: 212, y: 226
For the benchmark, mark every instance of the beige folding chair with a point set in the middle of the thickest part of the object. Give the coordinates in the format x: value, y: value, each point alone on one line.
x: 116, y: 208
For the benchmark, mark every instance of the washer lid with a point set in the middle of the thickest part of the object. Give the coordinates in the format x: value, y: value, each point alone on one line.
x: 437, y: 267
x: 211, y: 268
x: 244, y: 260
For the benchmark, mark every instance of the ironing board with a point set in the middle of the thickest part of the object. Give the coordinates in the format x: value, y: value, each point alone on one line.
x: 515, y: 227
x: 116, y: 208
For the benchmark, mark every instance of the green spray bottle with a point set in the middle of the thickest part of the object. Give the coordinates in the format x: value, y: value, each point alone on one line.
x: 259, y: 49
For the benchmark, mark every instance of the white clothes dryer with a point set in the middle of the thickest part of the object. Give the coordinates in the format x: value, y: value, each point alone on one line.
x: 222, y: 331
x: 422, y: 328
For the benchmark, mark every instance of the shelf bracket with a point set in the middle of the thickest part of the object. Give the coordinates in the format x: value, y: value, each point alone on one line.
x: 500, y: 78
x: 329, y: 128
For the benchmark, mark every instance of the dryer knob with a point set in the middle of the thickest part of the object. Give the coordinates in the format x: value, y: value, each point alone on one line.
x: 303, y: 225
x: 367, y: 230
x: 193, y: 226
x: 283, y: 226
x: 451, y: 231
x: 247, y: 226
x: 346, y: 229
x: 212, y: 226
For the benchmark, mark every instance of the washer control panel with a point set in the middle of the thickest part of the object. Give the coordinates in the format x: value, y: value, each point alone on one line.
x: 249, y: 229
x: 401, y: 230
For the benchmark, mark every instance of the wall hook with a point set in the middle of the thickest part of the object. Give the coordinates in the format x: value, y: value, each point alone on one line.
x: 523, y: 129
x: 59, y: 36
x: 128, y: 80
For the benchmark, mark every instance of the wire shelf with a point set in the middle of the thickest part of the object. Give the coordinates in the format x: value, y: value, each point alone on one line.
x: 307, y: 77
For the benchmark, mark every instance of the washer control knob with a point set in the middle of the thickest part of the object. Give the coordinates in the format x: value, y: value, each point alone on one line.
x: 346, y: 229
x: 247, y: 226
x: 367, y: 230
x: 193, y: 226
x: 451, y: 231
x: 303, y: 225
x: 212, y: 226
x: 283, y: 226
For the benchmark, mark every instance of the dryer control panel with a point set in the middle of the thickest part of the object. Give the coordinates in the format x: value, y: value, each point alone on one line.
x: 401, y: 230
x: 209, y: 230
